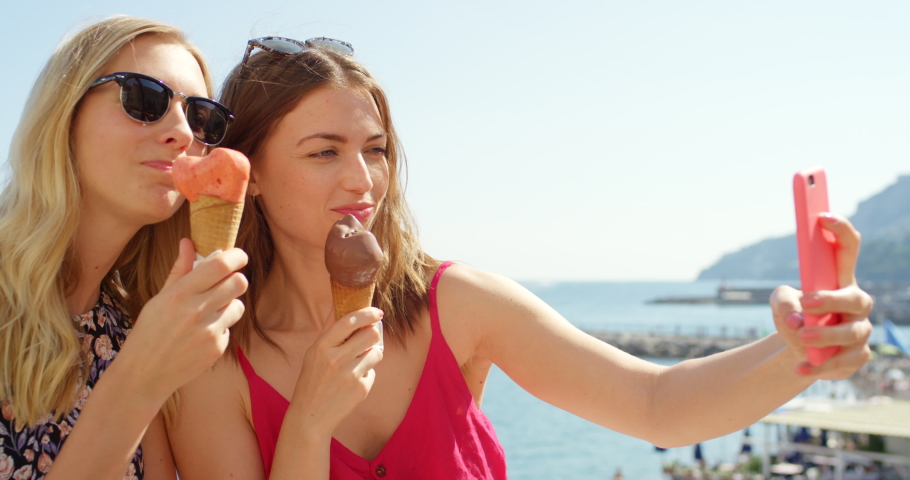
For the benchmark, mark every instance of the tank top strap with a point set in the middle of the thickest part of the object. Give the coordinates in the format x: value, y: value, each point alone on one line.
x: 434, y: 311
x: 267, y: 408
x: 245, y: 364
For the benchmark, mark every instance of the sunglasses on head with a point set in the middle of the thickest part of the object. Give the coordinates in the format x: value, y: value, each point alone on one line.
x: 147, y: 100
x: 289, y: 46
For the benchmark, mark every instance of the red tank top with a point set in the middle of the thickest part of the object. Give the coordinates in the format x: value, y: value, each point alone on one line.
x: 442, y: 436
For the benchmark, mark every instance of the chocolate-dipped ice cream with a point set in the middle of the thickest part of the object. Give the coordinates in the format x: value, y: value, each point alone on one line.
x: 353, y: 258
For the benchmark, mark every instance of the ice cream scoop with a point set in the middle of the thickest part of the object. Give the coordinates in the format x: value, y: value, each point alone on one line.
x: 215, y: 185
x: 353, y: 258
x: 223, y: 173
x: 352, y: 254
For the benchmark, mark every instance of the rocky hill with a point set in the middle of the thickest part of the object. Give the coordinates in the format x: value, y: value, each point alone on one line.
x: 884, y: 221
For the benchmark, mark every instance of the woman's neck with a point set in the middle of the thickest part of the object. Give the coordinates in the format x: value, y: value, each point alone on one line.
x: 296, y: 295
x: 100, y: 239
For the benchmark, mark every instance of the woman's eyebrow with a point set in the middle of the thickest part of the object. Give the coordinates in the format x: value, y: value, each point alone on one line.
x: 328, y: 136
x: 378, y: 136
x: 337, y: 138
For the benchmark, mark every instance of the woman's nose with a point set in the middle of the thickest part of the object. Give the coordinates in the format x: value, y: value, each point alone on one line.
x: 175, y: 129
x: 357, y: 176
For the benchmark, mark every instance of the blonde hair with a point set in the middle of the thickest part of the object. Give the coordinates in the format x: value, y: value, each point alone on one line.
x: 261, y: 93
x: 40, y: 365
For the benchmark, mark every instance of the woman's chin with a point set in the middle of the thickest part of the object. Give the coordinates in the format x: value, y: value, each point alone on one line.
x: 161, y: 208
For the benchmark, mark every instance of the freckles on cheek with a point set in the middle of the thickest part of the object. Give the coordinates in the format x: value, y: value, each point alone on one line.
x: 100, y: 137
x: 380, y: 176
x: 288, y: 191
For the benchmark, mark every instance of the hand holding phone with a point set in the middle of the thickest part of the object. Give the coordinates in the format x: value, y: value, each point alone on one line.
x: 816, y: 250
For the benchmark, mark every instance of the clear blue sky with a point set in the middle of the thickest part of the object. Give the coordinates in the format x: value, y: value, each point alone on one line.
x: 583, y: 140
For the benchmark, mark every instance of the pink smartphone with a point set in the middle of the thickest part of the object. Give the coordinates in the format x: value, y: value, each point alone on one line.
x: 815, y: 246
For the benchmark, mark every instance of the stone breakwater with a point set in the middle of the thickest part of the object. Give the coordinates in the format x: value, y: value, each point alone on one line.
x: 668, y: 345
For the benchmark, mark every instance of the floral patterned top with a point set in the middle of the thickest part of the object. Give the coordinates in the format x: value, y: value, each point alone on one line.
x: 27, y: 453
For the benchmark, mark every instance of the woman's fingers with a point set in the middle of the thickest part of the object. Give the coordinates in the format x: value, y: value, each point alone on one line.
x: 850, y: 300
x: 224, y: 292
x: 209, y: 288
x: 840, y: 366
x: 360, y: 341
x: 367, y: 361
x: 785, y: 305
x: 352, y: 339
x: 785, y: 299
x: 848, y: 241
x: 337, y: 370
x: 340, y: 331
x: 214, y: 269
x: 183, y: 264
x: 854, y: 305
x: 845, y: 334
x: 226, y: 317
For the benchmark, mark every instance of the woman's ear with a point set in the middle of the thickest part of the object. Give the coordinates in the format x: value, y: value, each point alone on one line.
x: 253, y: 186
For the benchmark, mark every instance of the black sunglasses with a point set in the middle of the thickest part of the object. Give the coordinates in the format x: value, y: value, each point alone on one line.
x: 289, y: 46
x: 147, y: 100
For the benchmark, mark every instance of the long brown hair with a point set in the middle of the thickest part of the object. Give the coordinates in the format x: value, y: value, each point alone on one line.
x: 260, y: 93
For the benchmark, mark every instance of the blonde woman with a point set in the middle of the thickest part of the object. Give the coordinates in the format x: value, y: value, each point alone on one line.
x: 91, y: 251
x: 299, y: 398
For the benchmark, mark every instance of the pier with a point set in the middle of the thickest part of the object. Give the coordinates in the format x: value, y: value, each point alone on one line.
x: 725, y: 296
x: 892, y: 300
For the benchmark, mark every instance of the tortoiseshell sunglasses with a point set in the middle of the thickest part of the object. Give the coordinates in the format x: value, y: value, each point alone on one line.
x: 289, y: 46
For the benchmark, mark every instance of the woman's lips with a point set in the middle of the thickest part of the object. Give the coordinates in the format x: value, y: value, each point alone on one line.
x: 362, y: 213
x: 163, y: 165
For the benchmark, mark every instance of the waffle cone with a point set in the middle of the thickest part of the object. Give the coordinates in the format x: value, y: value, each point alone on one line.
x: 349, y: 299
x: 214, y: 223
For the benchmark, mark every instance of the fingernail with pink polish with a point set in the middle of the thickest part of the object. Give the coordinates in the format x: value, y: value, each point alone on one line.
x: 803, y: 369
x: 827, y: 216
x: 794, y: 319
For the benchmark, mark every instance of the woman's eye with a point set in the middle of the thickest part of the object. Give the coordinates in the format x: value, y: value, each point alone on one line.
x: 324, y: 154
x: 378, y: 151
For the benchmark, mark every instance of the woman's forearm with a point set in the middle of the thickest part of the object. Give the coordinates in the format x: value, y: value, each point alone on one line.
x: 302, y: 452
x: 708, y: 397
x: 109, y: 429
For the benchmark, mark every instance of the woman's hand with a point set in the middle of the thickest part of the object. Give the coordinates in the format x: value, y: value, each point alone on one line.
x: 337, y: 371
x: 184, y: 329
x: 854, y: 305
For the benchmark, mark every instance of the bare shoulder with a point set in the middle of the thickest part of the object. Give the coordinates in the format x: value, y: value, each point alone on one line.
x: 225, y: 383
x: 472, y: 284
x: 477, y: 309
x: 464, y: 295
x: 156, y: 452
x: 472, y: 293
x: 214, y: 410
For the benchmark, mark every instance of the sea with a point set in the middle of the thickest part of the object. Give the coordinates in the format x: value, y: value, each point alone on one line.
x: 544, y: 442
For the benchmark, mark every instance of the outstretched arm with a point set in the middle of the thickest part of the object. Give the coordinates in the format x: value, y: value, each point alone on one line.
x: 669, y: 406
x: 748, y: 382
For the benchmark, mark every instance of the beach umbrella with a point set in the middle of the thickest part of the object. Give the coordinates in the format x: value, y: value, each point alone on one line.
x: 893, y: 336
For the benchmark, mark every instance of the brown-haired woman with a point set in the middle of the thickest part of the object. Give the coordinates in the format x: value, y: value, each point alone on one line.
x: 291, y: 401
